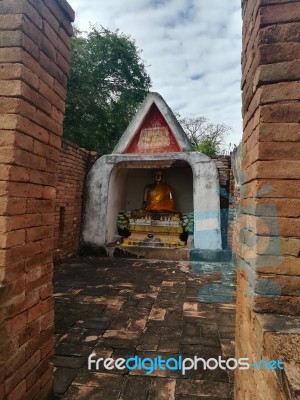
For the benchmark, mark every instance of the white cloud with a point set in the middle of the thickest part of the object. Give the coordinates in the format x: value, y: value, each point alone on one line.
x: 192, y: 48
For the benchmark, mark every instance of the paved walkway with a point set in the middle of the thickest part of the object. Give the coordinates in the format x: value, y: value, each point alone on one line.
x: 125, y: 308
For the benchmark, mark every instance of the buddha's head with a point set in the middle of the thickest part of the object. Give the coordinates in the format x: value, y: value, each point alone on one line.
x: 158, y: 176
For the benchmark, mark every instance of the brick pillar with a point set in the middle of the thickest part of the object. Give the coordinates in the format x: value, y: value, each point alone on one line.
x: 35, y: 41
x: 267, y: 236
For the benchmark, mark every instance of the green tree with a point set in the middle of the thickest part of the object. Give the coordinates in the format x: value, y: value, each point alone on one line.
x: 108, y: 81
x: 205, y: 136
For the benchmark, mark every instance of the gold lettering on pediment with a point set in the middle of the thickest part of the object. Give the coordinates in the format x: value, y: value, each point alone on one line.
x: 153, y: 138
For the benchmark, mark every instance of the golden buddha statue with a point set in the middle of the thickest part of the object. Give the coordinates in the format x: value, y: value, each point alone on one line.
x: 158, y: 196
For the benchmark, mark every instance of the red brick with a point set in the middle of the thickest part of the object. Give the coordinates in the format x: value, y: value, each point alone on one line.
x: 11, y: 22
x: 278, y: 188
x: 45, y: 150
x: 40, y: 206
x: 21, y: 7
x: 62, y: 63
x: 18, y: 55
x: 18, y: 392
x: 25, y: 221
x: 22, y: 372
x: 36, y: 284
x: 14, y: 271
x: 48, y: 347
x: 47, y: 391
x: 31, y: 47
x: 13, y: 238
x: 14, y: 362
x: 63, y: 49
x: 42, y: 177
x: 50, y: 19
x: 17, y: 323
x: 38, y: 233
x: 48, y: 48
x: 283, y: 169
x: 38, y: 260
x: 19, y: 123
x: 48, y: 244
x: 33, y: 97
x: 8, y: 346
x: 25, y: 251
x: 32, y: 330
x: 11, y: 88
x: 47, y: 375
x: 49, y: 192
x: 289, y: 12
x: 21, y: 190
x: 57, y: 115
x: 46, y: 291
x: 277, y: 151
x: 65, y: 37
x: 280, y: 113
x: 31, y: 31
x: 35, y: 312
x: 278, y: 52
x: 53, y: 70
x: 47, y: 320
x: 289, y: 70
x: 279, y: 33
x: 23, y: 304
x: 52, y: 167
x: 49, y: 93
x: 60, y: 90
x: 11, y: 38
x: 32, y: 391
x: 11, y: 290
x: 34, y: 344
x: 48, y: 123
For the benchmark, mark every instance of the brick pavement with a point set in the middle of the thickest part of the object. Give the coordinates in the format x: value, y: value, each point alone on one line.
x: 123, y: 308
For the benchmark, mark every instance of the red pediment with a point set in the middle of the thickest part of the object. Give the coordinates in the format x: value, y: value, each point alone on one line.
x: 154, y: 129
x: 154, y: 135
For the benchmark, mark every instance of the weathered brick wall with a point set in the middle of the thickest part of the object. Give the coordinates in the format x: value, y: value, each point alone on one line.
x: 34, y: 61
x: 72, y: 168
x: 267, y: 244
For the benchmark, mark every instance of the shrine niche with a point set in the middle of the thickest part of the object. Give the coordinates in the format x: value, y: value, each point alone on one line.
x: 153, y: 191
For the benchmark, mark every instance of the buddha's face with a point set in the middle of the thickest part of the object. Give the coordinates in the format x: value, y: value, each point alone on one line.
x: 157, y: 176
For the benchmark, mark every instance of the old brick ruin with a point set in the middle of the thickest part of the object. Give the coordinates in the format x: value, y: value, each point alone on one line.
x: 73, y: 165
x: 267, y: 236
x: 42, y: 188
x: 35, y: 42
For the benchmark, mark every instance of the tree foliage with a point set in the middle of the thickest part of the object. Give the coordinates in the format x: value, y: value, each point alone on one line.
x: 108, y: 80
x: 205, y: 136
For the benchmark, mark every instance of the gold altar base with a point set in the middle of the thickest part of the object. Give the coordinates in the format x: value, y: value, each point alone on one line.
x: 164, y: 241
x: 154, y: 236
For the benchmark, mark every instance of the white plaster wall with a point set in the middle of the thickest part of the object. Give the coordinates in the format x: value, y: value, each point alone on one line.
x: 116, y: 199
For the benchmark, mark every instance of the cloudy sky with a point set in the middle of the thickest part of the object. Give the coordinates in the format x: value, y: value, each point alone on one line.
x: 192, y: 49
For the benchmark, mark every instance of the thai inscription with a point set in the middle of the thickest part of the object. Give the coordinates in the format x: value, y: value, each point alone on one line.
x: 152, y: 138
